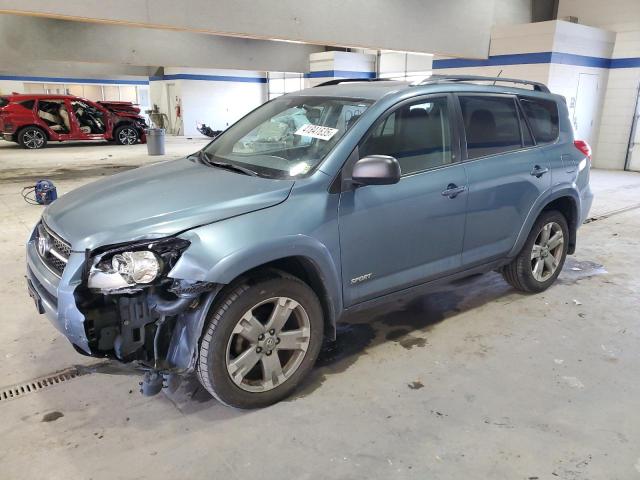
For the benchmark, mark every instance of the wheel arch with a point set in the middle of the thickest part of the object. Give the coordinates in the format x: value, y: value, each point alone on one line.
x: 22, y: 127
x: 568, y: 207
x: 188, y: 333
x: 567, y: 202
x: 121, y: 123
x: 305, y: 269
x: 302, y: 256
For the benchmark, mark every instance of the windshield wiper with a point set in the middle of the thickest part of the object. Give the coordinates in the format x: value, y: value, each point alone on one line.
x: 204, y: 158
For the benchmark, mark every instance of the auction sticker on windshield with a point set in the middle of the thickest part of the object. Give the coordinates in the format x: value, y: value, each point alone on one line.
x: 316, y: 131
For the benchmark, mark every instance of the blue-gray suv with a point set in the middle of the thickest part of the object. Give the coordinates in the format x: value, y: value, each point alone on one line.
x: 238, y: 261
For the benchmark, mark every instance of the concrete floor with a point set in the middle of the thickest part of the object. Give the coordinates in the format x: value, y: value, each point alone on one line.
x: 472, y: 381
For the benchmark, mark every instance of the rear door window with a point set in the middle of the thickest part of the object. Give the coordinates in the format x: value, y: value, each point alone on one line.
x: 4, y: 101
x: 492, y: 124
x: 543, y: 118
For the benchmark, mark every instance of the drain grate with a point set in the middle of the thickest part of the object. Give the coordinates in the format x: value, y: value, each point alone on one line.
x: 25, y: 388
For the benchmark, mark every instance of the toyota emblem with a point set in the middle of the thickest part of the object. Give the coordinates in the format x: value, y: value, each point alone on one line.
x: 43, y: 243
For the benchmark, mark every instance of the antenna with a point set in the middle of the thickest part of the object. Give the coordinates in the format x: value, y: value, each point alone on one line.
x: 499, y: 73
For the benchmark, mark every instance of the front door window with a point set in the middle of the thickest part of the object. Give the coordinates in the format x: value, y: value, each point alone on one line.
x: 417, y: 135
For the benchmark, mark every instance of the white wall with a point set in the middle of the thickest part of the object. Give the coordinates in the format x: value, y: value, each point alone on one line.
x: 341, y: 64
x: 515, y: 39
x: 547, y: 41
x: 10, y: 86
x: 217, y: 103
x: 622, y: 17
x: 404, y: 65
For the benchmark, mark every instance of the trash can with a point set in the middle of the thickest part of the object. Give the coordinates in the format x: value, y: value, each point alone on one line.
x: 155, y: 141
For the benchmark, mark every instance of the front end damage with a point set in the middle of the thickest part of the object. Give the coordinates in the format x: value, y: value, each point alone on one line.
x: 122, y: 304
x: 156, y: 329
x: 139, y: 315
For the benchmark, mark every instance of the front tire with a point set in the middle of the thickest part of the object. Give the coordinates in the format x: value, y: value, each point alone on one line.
x: 260, y: 341
x: 541, y: 259
x: 126, y: 135
x: 32, y: 138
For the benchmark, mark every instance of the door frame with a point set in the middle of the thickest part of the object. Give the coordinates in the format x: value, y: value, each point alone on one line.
x: 52, y: 134
x: 523, y: 122
x: 79, y: 135
x: 595, y: 110
x: 631, y: 144
x: 343, y: 182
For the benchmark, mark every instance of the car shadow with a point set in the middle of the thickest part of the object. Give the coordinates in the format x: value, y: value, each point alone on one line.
x: 405, y: 323
x: 14, y: 175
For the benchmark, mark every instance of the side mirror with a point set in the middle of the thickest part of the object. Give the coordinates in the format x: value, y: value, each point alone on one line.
x: 376, y: 170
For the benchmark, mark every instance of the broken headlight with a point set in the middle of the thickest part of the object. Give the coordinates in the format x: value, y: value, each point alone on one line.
x: 134, y: 265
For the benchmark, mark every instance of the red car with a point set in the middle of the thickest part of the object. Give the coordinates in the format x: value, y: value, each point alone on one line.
x: 33, y: 120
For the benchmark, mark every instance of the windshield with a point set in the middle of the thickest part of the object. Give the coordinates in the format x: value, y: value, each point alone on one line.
x: 287, y: 137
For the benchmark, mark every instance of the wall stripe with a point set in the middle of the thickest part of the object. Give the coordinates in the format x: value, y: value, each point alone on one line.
x: 633, y: 62
x: 495, y: 60
x: 539, y: 57
x: 580, y: 60
x: 211, y: 78
x: 339, y: 73
x: 73, y: 80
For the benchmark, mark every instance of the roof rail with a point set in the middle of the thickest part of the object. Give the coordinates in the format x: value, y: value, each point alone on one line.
x: 338, y: 81
x: 537, y: 86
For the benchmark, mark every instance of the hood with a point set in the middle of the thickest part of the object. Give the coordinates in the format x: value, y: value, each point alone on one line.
x: 157, y: 201
x: 122, y: 108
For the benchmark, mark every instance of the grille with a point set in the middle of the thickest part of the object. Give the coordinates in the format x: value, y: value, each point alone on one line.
x: 53, y: 251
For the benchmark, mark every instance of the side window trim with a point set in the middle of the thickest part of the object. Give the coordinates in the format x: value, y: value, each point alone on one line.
x: 524, y: 123
x: 454, y: 134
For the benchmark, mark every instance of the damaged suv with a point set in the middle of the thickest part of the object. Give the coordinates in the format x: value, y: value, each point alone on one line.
x: 235, y: 263
x: 33, y: 120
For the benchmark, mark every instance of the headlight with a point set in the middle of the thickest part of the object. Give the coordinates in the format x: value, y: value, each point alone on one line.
x: 137, y: 267
x: 134, y: 265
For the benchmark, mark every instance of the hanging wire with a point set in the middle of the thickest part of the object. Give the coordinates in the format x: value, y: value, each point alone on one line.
x: 26, y: 192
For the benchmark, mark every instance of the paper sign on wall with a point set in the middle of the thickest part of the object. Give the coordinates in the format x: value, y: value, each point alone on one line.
x: 316, y: 131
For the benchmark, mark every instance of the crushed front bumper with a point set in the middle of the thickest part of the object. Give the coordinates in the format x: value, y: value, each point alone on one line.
x: 56, y: 294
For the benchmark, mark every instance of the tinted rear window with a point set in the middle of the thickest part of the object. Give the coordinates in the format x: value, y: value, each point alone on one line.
x: 3, y: 102
x: 543, y: 118
x: 492, y: 125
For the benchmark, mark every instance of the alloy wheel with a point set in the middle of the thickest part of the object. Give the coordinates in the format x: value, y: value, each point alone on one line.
x: 268, y: 344
x: 128, y: 136
x: 33, y: 139
x: 547, y: 251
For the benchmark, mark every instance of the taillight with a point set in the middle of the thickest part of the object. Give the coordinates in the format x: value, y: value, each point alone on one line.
x: 583, y: 147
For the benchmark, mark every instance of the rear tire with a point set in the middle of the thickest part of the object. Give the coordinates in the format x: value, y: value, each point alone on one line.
x: 32, y: 138
x: 126, y: 135
x: 542, y: 257
x: 261, y: 339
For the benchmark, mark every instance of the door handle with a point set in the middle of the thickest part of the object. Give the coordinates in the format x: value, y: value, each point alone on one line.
x: 453, y: 190
x: 538, y: 171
